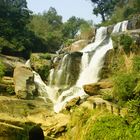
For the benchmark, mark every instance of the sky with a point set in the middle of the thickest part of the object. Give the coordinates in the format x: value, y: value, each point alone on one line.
x: 65, y: 8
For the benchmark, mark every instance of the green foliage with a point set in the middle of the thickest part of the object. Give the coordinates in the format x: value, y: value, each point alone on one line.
x: 128, y: 11
x: 134, y: 107
x: 2, y: 70
x: 15, y: 38
x: 68, y: 42
x: 10, y: 90
x: 136, y: 63
x: 86, y: 31
x: 126, y: 41
x: 46, y: 56
x: 44, y: 72
x: 108, y: 128
x: 79, y: 119
x: 135, y: 127
x: 107, y: 95
x: 124, y: 10
x: 48, y: 28
x: 100, y: 125
x: 53, y: 18
x: 124, y: 84
x: 71, y: 27
x: 104, y: 7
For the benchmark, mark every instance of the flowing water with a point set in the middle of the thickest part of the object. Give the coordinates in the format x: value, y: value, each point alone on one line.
x: 91, y: 62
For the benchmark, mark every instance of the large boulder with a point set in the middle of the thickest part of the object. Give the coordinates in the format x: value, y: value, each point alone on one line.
x: 24, y: 82
x: 76, y: 46
x: 94, y: 89
x: 10, y: 63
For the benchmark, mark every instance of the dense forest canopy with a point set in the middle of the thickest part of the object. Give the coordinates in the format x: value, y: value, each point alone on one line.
x: 22, y: 32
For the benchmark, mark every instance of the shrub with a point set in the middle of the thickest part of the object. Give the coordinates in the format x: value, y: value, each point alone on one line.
x: 10, y: 90
x: 108, y: 128
x: 136, y: 63
x: 135, y: 128
x: 134, y: 108
x: 68, y: 42
x: 87, y: 31
x: 126, y: 41
x: 128, y: 12
x: 44, y: 72
x: 46, y: 56
x: 2, y: 70
x: 124, y: 84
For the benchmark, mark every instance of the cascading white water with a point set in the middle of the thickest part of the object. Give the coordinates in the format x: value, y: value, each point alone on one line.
x: 43, y: 89
x: 51, y: 77
x: 100, y: 36
x: 91, y: 63
x: 120, y: 27
x: 90, y: 69
x: 124, y: 25
x: 90, y: 73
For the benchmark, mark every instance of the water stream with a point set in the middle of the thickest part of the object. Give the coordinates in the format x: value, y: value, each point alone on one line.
x: 91, y: 62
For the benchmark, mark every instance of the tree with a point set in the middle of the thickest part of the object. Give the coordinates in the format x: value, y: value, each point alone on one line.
x: 47, y: 26
x: 72, y: 26
x: 53, y: 18
x: 104, y: 7
x: 14, y: 16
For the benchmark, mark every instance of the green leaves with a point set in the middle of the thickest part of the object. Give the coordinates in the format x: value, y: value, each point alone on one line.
x: 126, y: 41
x: 124, y: 86
x: 136, y: 63
x: 104, y: 7
x: 2, y: 70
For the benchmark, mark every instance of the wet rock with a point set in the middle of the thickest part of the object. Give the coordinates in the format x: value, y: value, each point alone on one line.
x: 94, y: 89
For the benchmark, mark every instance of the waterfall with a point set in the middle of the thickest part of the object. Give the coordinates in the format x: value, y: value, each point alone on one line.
x: 89, y: 69
x: 102, y: 44
x: 62, y: 74
x: 90, y: 73
x: 44, y: 90
x: 91, y: 62
x: 100, y: 36
x: 120, y: 27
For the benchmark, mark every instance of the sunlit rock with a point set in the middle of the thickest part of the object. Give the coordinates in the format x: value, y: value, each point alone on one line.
x: 24, y: 82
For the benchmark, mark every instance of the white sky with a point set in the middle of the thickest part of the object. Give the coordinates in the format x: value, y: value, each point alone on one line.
x: 65, y: 8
